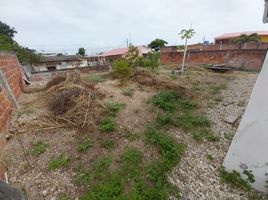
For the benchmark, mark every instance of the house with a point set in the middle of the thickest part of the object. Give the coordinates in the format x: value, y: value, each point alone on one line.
x: 119, y: 53
x: 228, y: 38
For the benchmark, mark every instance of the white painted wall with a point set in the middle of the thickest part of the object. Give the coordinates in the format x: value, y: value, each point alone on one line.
x: 249, y: 148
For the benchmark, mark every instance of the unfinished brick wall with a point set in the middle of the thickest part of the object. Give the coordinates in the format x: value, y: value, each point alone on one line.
x: 247, y: 59
x: 9, y: 85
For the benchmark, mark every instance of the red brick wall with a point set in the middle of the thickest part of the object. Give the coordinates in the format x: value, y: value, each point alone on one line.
x: 11, y: 70
x: 248, y: 59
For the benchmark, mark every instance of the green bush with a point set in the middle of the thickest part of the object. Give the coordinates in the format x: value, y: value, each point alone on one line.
x: 151, y: 62
x: 122, y: 70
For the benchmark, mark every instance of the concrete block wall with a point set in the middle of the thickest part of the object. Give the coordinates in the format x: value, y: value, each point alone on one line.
x: 10, y: 75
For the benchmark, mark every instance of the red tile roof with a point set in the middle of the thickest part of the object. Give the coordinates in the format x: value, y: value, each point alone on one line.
x: 122, y: 51
x: 237, y: 34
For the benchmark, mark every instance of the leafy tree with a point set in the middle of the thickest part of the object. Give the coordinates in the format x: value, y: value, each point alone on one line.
x: 81, y: 51
x: 7, y: 30
x: 132, y: 56
x: 186, y: 34
x: 244, y: 38
x: 24, y: 54
x: 157, y: 44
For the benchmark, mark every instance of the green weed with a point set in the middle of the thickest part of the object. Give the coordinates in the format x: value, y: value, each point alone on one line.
x: 128, y: 92
x: 107, y: 143
x: 96, y: 78
x: 112, y: 108
x: 38, y: 148
x: 235, y: 179
x: 61, y: 161
x: 107, y: 125
x: 85, y: 145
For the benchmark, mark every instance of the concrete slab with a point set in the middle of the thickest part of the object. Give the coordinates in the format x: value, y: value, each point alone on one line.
x: 249, y: 148
x: 231, y: 119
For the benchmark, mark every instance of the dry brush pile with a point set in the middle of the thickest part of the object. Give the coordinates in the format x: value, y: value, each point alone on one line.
x: 68, y: 102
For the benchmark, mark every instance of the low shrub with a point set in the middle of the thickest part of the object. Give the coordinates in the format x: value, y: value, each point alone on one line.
x: 122, y: 70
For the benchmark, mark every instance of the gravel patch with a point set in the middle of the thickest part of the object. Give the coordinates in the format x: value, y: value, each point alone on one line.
x: 197, y: 175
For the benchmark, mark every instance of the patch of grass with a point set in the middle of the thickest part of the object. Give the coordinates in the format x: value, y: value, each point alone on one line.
x: 107, y: 143
x: 38, y: 148
x: 201, y: 134
x: 235, y: 179
x: 131, y: 136
x: 96, y: 78
x: 187, y: 121
x: 227, y: 136
x: 107, y: 124
x: 131, y: 161
x: 128, y: 92
x: 112, y: 108
x: 216, y: 89
x: 85, y: 144
x: 170, y: 150
x: 164, y: 119
x: 166, y: 100
x: 61, y: 161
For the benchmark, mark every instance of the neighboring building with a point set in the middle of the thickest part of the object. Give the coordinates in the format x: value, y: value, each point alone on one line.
x: 51, y: 63
x: 119, y: 53
x: 228, y: 38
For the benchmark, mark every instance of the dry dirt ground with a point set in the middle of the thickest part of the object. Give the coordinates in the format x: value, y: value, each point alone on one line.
x: 197, y: 177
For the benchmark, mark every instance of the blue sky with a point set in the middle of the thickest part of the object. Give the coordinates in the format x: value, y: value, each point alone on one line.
x: 98, y: 25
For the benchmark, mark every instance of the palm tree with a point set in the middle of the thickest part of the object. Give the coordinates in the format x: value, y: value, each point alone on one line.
x: 243, y: 38
x: 185, y: 35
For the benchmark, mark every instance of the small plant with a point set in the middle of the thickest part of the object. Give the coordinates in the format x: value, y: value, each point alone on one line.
x: 234, y: 178
x: 128, y: 92
x: 227, y: 136
x: 122, y: 70
x: 210, y: 157
x: 95, y: 78
x: 112, y: 108
x: 107, y: 143
x: 61, y: 161
x: 107, y: 125
x: 131, y: 136
x: 38, y: 148
x: 85, y: 145
x: 166, y: 100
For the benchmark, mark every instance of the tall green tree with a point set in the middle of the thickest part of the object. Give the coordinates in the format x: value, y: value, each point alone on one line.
x: 244, y: 38
x: 7, y: 30
x: 24, y: 54
x: 81, y: 51
x: 186, y: 34
x: 157, y: 44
